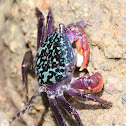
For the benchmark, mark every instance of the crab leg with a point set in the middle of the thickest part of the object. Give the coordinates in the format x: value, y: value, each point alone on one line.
x: 81, y: 23
x: 91, y: 97
x: 41, y: 89
x: 86, y: 82
x: 69, y: 108
x: 49, y: 23
x: 56, y: 112
x: 40, y: 34
x: 76, y: 33
x: 27, y: 60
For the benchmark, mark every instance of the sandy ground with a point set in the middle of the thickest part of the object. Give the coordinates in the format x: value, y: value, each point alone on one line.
x: 107, y: 40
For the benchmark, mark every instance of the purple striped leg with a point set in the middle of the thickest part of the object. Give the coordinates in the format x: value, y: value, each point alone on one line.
x: 56, y: 112
x: 81, y: 23
x: 27, y: 60
x: 41, y: 89
x: 41, y: 27
x: 69, y: 108
x: 49, y: 23
x: 91, y: 97
x: 40, y: 35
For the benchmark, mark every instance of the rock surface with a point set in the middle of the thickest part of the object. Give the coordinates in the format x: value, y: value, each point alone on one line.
x: 107, y: 40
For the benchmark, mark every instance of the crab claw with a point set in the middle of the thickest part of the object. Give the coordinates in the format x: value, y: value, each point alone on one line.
x: 83, y: 48
x: 76, y: 33
x: 93, y: 83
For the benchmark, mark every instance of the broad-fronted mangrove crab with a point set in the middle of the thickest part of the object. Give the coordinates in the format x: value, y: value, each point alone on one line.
x: 55, y: 63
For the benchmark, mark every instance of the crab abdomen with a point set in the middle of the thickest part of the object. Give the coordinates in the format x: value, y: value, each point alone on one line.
x: 52, y: 58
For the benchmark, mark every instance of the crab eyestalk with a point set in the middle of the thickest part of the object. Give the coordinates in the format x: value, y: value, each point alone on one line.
x: 93, y: 83
x: 61, y: 28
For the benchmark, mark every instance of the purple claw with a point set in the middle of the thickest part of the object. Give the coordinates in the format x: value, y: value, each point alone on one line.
x: 76, y: 34
x: 86, y: 82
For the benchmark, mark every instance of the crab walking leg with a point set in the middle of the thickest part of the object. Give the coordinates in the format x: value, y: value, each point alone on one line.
x: 69, y: 108
x: 56, y: 112
x: 90, y: 97
x: 86, y: 82
x: 40, y: 34
x: 41, y: 89
x: 27, y: 60
x: 81, y: 23
x: 76, y: 33
x: 49, y: 23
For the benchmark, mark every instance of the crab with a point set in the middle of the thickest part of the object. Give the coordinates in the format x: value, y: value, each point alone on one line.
x: 54, y: 66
